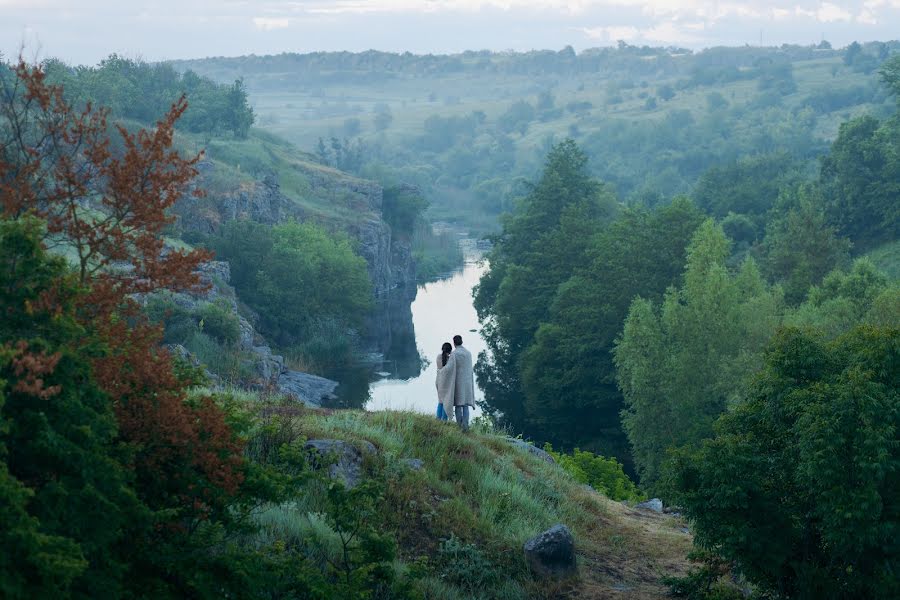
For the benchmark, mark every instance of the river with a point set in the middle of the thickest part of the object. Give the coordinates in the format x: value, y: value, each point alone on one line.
x: 402, y: 376
x: 441, y: 310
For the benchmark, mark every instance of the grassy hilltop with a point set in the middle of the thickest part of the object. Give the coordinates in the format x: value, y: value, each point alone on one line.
x: 460, y: 522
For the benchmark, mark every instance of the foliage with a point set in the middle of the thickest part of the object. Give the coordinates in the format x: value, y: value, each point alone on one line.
x: 682, y: 364
x: 603, y: 474
x: 705, y: 582
x: 859, y: 178
x: 293, y: 274
x: 569, y: 376
x: 845, y: 299
x: 800, y: 248
x: 748, y: 186
x: 218, y: 320
x: 402, y: 208
x: 65, y: 482
x: 539, y: 249
x: 141, y: 91
x: 466, y: 566
x: 797, y: 486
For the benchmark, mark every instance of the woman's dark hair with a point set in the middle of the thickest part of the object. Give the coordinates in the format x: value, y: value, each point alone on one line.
x: 446, y: 349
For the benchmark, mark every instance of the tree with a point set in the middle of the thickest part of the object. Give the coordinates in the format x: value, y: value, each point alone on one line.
x: 860, y: 179
x: 402, y: 207
x: 541, y: 246
x: 109, y: 208
x: 239, y: 114
x: 682, y: 364
x: 293, y: 274
x: 63, y: 477
x: 750, y: 185
x: 846, y: 299
x: 800, y: 247
x: 568, y: 371
x: 798, y: 486
x: 665, y: 92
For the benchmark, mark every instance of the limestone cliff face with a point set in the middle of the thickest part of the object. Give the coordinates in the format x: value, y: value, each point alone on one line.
x: 390, y: 263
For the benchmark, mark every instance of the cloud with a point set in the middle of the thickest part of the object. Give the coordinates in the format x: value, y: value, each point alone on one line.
x: 270, y: 23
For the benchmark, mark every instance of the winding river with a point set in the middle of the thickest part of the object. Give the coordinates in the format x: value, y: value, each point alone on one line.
x: 441, y: 309
x: 401, y: 376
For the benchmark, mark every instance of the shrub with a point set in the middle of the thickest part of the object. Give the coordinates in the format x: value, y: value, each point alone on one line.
x: 218, y: 321
x: 466, y: 566
x: 605, y: 475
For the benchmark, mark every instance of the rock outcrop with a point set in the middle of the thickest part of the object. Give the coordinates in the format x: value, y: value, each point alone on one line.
x: 531, y: 449
x: 389, y: 261
x: 268, y: 369
x: 343, y: 460
x: 309, y: 388
x: 551, y: 554
x: 654, y: 504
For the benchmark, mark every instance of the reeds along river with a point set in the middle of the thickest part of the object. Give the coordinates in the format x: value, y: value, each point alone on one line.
x: 405, y: 379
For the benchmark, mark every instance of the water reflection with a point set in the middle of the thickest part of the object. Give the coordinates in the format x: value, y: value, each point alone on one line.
x: 441, y: 309
x: 410, y: 337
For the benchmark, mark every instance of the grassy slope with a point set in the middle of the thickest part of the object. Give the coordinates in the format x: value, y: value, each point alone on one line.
x: 239, y: 163
x: 485, y: 491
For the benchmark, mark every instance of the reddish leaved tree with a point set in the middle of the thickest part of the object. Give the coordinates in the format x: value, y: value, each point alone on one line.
x: 106, y: 201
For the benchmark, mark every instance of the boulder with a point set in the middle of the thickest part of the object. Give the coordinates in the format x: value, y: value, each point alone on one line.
x: 654, y: 504
x: 531, y: 448
x: 343, y: 459
x: 551, y: 554
x: 309, y: 389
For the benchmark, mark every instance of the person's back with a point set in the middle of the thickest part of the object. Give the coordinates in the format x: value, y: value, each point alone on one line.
x: 464, y: 387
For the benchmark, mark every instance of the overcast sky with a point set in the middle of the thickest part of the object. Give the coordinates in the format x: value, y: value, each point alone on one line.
x: 88, y: 30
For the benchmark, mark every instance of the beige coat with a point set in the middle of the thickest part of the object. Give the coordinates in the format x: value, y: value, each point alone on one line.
x: 445, y: 383
x: 464, y: 377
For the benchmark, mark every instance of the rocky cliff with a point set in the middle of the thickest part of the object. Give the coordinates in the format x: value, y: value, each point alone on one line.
x: 390, y: 262
x: 266, y: 370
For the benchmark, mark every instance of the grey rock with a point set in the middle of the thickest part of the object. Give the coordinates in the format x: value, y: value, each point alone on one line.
x: 343, y: 459
x: 269, y: 367
x: 389, y: 261
x: 531, y: 448
x: 309, y: 389
x: 551, y: 554
x: 415, y: 464
x: 654, y: 504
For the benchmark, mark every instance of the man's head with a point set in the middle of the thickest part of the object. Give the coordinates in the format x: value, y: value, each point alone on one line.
x: 457, y: 340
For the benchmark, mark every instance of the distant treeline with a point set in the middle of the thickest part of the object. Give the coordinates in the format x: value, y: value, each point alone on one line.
x: 141, y: 91
x: 372, y: 66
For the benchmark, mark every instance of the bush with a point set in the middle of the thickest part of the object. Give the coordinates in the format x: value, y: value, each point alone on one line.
x: 219, y: 321
x: 466, y: 566
x: 605, y: 475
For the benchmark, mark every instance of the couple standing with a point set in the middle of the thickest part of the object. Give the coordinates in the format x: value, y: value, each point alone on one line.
x: 455, y: 383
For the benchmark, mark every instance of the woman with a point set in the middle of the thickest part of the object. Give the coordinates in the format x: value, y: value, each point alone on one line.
x: 445, y: 382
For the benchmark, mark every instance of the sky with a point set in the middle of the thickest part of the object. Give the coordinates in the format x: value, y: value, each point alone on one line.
x: 85, y: 31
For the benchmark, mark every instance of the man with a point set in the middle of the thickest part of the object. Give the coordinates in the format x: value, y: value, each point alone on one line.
x: 464, y: 386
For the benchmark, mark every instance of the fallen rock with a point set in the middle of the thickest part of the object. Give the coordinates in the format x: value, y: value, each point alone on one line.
x: 309, y: 389
x: 343, y: 459
x: 654, y: 504
x: 551, y: 554
x: 531, y: 448
x: 415, y: 464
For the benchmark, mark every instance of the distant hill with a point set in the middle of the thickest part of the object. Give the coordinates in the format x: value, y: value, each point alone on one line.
x: 467, y: 127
